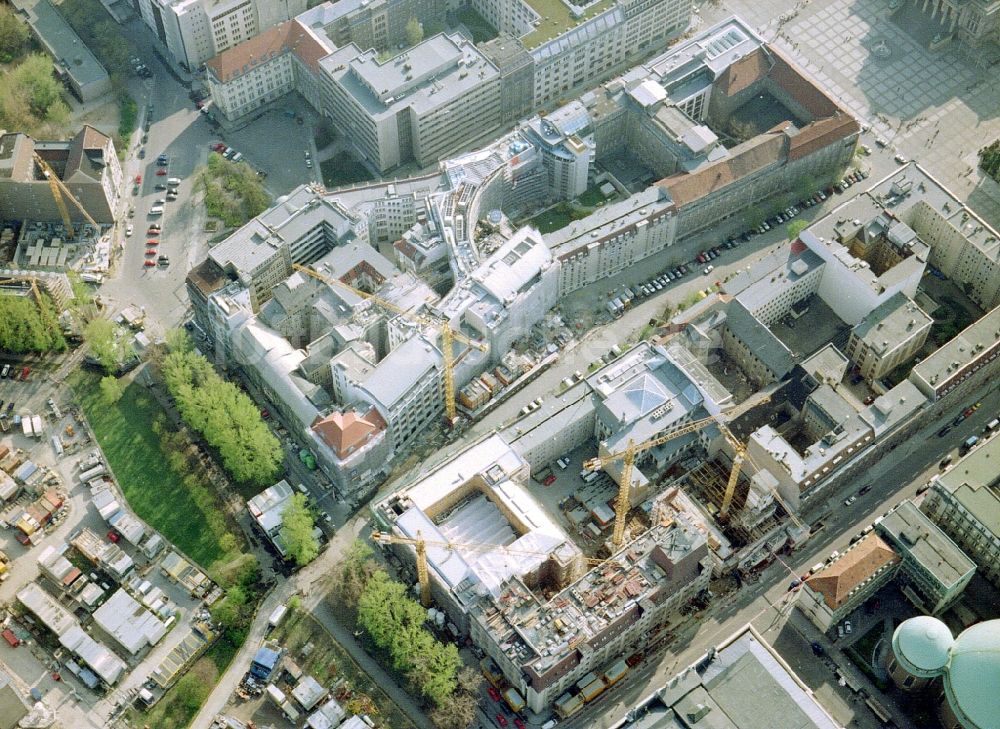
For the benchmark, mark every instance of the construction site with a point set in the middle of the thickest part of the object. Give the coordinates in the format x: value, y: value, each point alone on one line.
x: 581, y: 534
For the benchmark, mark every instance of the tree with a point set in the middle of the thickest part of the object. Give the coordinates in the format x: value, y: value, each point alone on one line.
x: 434, y: 669
x: 13, y: 34
x: 107, y: 343
x: 34, y: 74
x: 27, y: 326
x: 456, y: 711
x: 297, y: 525
x: 414, y: 32
x: 795, y: 227
x: 112, y: 389
x: 384, y: 609
x: 350, y: 579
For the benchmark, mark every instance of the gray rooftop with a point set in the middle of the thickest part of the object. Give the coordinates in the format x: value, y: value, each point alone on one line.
x: 610, y: 220
x: 762, y: 342
x: 910, y: 531
x: 950, y: 359
x: 745, y: 685
x: 891, y: 323
x: 62, y: 41
x: 401, y: 370
x: 431, y: 74
x: 974, y: 482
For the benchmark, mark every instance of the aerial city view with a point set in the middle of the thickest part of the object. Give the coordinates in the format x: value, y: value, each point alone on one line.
x: 499, y: 364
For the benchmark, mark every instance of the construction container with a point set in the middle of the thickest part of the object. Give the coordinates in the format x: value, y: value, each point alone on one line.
x: 513, y: 699
x: 616, y: 673
x: 593, y: 689
x: 567, y: 705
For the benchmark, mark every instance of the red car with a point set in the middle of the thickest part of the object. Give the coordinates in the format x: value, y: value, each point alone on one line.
x: 218, y: 147
x: 113, y: 536
x: 549, y: 480
x: 153, y: 242
x: 162, y: 171
x: 25, y: 372
x: 265, y: 413
x: 153, y: 230
x: 138, y: 179
x: 500, y: 720
x: 518, y: 723
x: 494, y: 694
x: 150, y: 251
x: 149, y: 263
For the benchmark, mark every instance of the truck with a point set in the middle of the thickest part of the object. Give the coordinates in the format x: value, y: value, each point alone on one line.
x: 36, y: 425
x: 513, y: 699
x: 4, y: 567
x: 968, y: 444
x: 26, y: 427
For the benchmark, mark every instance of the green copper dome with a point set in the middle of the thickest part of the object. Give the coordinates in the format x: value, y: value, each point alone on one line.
x: 972, y: 682
x: 921, y: 646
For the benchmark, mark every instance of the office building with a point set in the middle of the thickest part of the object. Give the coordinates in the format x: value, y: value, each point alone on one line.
x: 415, y: 106
x: 247, y: 76
x: 965, y: 502
x: 194, y: 31
x: 378, y: 24
x: 966, y: 360
x: 934, y: 570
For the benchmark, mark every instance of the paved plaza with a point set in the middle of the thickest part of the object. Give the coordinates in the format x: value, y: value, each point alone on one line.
x: 936, y: 107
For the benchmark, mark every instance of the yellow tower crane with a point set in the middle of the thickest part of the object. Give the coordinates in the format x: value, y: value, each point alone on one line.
x: 627, y: 457
x: 58, y: 190
x: 420, y: 545
x: 448, y: 335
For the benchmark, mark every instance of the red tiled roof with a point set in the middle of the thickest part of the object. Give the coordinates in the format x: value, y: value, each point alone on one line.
x: 743, y: 73
x: 804, y: 91
x: 821, y: 133
x: 290, y: 36
x: 755, y: 154
x: 344, y: 432
x: 858, y: 564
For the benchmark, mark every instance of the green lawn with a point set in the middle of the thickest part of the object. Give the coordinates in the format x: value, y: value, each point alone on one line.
x: 556, y: 217
x: 157, y: 494
x: 343, y: 169
x: 556, y: 18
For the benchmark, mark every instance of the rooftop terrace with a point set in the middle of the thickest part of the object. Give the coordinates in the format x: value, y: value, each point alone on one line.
x: 556, y: 19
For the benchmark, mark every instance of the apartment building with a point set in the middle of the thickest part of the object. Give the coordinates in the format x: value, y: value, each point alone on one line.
x: 965, y: 502
x: 890, y: 335
x: 286, y: 57
x: 968, y: 359
x: 613, y: 238
x: 196, y: 30
x: 414, y: 107
x: 87, y: 164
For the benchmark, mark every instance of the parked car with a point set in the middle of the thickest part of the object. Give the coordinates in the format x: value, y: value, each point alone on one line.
x: 850, y: 500
x: 129, y: 230
x: 708, y: 269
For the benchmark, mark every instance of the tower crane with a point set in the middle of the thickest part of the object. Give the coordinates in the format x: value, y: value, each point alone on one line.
x: 627, y: 457
x: 58, y: 190
x: 448, y: 335
x: 420, y: 545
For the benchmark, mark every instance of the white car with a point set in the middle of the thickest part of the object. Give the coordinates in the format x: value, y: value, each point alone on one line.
x: 128, y: 230
x: 708, y: 269
x: 850, y: 500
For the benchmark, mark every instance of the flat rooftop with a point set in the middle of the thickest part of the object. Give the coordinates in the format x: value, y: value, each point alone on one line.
x: 909, y: 529
x: 891, y: 323
x: 609, y: 221
x: 429, y: 75
x: 63, y: 42
x: 556, y: 18
x: 950, y: 360
x: 974, y: 482
x: 745, y: 684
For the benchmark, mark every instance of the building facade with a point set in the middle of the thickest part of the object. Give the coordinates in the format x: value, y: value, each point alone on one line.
x: 965, y: 502
x: 892, y: 334
x: 414, y: 107
x: 194, y: 31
